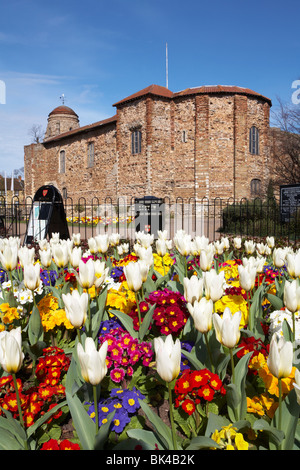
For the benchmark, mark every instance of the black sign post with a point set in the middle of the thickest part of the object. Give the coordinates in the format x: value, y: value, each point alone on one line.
x: 289, y: 201
x: 149, y: 214
x: 47, y: 216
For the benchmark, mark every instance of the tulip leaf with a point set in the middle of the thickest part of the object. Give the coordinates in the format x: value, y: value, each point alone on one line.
x: 191, y: 356
x: 202, y: 442
x: 146, y: 322
x: 275, y: 436
x: 13, y: 426
x: 236, y: 393
x: 162, y: 430
x: 275, y: 301
x: 8, y: 441
x: 289, y: 420
x: 126, y: 321
x: 101, y: 436
x: 35, y: 327
x: 147, y: 439
x: 83, y: 424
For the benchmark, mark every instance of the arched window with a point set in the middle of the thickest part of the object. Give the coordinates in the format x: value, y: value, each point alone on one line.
x: 255, y: 187
x: 91, y: 154
x: 254, y: 140
x: 136, y: 142
x: 62, y: 161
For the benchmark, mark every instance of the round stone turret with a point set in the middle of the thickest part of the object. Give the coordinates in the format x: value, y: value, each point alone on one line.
x: 62, y: 119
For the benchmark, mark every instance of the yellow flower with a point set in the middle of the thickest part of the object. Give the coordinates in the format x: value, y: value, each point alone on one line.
x: 229, y: 439
x: 235, y: 303
x: 51, y: 315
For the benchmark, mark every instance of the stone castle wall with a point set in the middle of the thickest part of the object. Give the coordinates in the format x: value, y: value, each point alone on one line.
x: 193, y: 145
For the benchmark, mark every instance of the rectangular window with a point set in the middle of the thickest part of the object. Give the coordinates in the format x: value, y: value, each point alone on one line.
x: 91, y: 155
x: 136, y: 142
x: 62, y: 161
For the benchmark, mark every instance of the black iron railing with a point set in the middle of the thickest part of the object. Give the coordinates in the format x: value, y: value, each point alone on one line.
x: 212, y: 218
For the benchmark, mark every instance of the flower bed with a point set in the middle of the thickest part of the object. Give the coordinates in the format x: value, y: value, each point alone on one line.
x: 176, y: 344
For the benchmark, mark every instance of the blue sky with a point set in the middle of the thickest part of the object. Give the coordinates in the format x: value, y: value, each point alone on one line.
x: 96, y: 53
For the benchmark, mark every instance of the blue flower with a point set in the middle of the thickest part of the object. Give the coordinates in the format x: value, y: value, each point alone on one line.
x: 119, y: 421
x: 131, y: 401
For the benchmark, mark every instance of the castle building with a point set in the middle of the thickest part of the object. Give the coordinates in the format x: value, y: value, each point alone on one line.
x: 203, y: 142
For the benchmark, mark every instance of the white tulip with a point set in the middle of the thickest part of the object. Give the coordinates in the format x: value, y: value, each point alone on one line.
x: 183, y: 242
x: 293, y: 264
x: 26, y: 255
x: 93, y: 246
x: 227, y: 327
x: 161, y: 247
x: 32, y: 276
x: 11, y: 355
x: 101, y: 272
x: 92, y: 362
x: 76, y: 237
x: 9, y: 258
x: 279, y: 255
x: 76, y: 306
x: 214, y: 285
x: 114, y: 239
x: 46, y: 257
x: 86, y: 273
x: 237, y: 242
x: 270, y: 242
x: 207, y: 258
x: 168, y: 357
x: 162, y: 234
x: 291, y: 295
x: 144, y: 269
x: 133, y: 276
x: 75, y: 256
x: 193, y: 288
x: 247, y: 275
x: 297, y: 385
x: 249, y: 246
x: 60, y: 254
x: 102, y: 243
x: 280, y: 359
x: 201, y: 312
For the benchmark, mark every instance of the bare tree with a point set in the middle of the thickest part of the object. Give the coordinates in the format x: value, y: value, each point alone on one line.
x: 286, y: 144
x: 36, y: 132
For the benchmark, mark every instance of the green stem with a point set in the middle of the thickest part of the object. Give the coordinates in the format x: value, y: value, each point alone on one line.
x: 89, y: 315
x: 294, y: 326
x: 172, y: 418
x: 232, y: 366
x: 138, y: 308
x: 96, y: 407
x: 78, y: 335
x: 209, y: 353
x: 19, y: 407
x: 249, y: 315
x: 279, y: 406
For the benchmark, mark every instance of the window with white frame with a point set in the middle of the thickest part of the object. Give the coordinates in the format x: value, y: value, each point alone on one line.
x: 254, y: 140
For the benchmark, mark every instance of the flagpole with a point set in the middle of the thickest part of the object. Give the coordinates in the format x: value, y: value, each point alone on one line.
x: 167, y: 72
